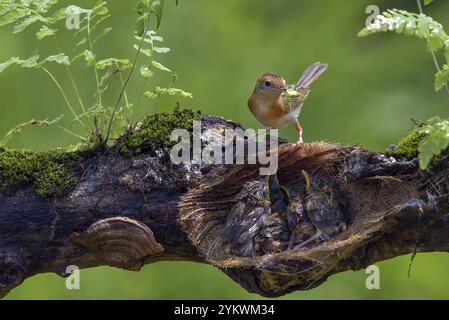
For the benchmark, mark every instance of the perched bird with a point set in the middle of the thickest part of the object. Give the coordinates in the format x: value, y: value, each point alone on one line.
x: 275, y: 104
x: 252, y: 228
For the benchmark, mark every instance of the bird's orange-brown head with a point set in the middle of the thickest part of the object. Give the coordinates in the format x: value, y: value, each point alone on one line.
x: 269, y: 84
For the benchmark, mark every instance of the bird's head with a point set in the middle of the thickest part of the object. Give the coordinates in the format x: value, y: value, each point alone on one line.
x: 270, y: 84
x: 255, y: 192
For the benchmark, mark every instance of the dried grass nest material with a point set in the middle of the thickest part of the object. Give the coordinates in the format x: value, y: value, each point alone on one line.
x: 369, y: 203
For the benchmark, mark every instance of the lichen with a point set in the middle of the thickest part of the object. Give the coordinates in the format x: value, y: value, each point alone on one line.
x: 407, y: 146
x: 50, y: 173
x: 155, y: 131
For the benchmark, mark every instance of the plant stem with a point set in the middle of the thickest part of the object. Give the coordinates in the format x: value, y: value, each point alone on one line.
x: 72, y: 79
x: 69, y: 73
x: 52, y: 77
x: 69, y: 132
x: 18, y: 127
x: 127, y: 81
x: 95, y: 68
x: 142, y: 90
x: 434, y: 57
x: 125, y: 95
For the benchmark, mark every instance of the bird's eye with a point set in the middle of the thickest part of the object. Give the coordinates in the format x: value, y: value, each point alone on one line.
x: 267, y: 83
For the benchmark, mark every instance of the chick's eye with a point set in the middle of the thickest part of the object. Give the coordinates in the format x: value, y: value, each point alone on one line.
x: 267, y: 83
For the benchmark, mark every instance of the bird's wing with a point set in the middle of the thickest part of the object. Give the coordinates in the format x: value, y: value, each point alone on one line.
x: 243, y: 223
x: 252, y: 223
x: 294, y: 99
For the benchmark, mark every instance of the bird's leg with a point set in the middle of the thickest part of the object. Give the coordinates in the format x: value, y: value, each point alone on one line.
x: 257, y: 133
x: 291, y: 241
x: 316, y: 236
x: 299, y: 130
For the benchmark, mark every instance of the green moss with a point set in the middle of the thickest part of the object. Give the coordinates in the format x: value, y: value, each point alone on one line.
x: 155, y: 132
x: 408, y: 145
x: 50, y: 173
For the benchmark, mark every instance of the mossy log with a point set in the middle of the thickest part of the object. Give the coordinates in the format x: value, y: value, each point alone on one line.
x: 128, y: 205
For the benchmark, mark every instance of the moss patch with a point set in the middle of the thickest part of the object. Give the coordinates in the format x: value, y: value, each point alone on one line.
x: 408, y: 146
x: 50, y: 173
x: 155, y: 132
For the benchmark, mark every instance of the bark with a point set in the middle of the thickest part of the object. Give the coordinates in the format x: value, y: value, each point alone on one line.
x: 127, y: 212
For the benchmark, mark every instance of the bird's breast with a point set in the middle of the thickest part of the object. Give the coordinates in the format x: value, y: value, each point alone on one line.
x: 269, y: 112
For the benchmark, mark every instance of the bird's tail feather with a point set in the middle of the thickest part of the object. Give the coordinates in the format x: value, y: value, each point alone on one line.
x: 310, y: 75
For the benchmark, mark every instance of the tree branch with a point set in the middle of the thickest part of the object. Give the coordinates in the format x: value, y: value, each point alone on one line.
x: 127, y: 212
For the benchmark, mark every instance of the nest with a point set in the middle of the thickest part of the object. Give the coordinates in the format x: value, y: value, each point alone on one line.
x: 368, y: 202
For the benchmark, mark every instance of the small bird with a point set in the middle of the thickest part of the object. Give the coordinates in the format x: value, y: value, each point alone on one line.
x: 298, y: 223
x: 252, y: 228
x: 326, y: 214
x: 275, y: 104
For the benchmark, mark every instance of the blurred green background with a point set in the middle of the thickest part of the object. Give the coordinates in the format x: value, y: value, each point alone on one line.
x: 373, y: 87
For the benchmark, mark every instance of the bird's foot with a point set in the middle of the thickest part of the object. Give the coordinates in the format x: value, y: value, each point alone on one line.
x: 299, y: 143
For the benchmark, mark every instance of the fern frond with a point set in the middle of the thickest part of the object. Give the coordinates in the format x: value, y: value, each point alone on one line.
x: 409, y: 24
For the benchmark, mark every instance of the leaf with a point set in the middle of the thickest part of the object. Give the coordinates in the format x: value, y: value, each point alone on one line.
x: 120, y: 64
x: 146, y: 52
x: 427, y: 2
x: 160, y: 66
x: 103, y: 33
x: 441, y: 78
x: 292, y: 93
x: 81, y: 42
x: 161, y: 50
x: 150, y: 95
x: 176, y: 92
x: 89, y: 57
x: 58, y: 58
x: 45, y: 31
x: 7, y: 63
x: 13, y: 15
x: 146, y: 72
x: 143, y: 10
x: 435, y: 141
x: 158, y: 91
x: 27, y: 22
x: 44, y: 5
x: 156, y: 7
x: 31, y: 62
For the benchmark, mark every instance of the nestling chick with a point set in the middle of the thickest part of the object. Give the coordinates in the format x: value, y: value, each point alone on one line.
x: 299, y: 225
x: 252, y: 228
x: 275, y: 104
x: 325, y: 213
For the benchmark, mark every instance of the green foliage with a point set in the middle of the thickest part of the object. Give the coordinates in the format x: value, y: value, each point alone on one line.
x: 428, y: 141
x: 102, y: 118
x: 155, y: 131
x: 150, y: 48
x: 24, y: 13
x: 435, y: 141
x: 33, y: 61
x: 408, y: 145
x: 418, y: 25
x: 50, y: 173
